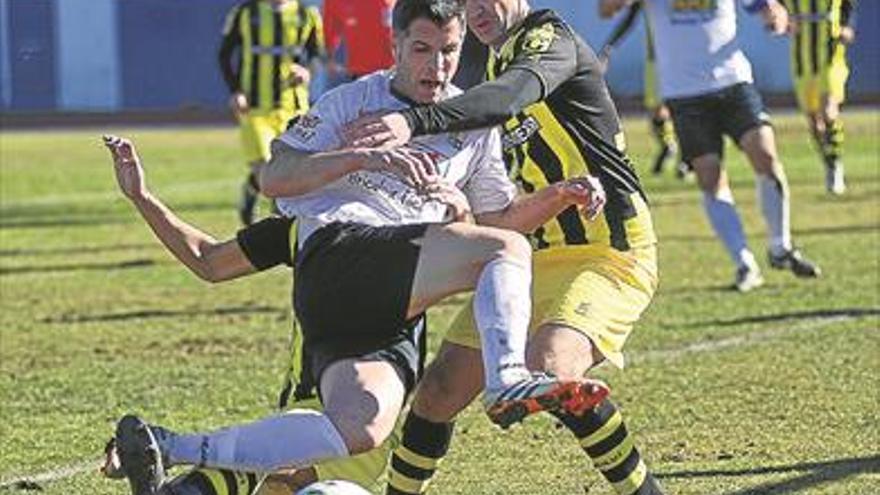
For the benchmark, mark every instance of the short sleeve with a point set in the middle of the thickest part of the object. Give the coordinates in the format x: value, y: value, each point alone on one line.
x: 549, y: 51
x: 488, y: 187
x: 267, y: 243
x: 319, y: 129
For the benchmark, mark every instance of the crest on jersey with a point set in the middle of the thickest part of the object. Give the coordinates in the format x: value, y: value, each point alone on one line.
x: 539, y: 39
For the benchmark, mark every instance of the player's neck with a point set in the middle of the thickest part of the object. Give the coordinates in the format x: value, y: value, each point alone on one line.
x: 513, y: 23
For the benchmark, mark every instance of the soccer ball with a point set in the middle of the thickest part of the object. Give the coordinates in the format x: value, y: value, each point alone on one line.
x: 333, y: 487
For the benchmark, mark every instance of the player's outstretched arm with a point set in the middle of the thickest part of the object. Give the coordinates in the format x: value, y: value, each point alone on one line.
x: 292, y: 172
x: 209, y: 259
x: 529, y: 211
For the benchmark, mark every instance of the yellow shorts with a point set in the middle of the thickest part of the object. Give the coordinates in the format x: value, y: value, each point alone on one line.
x: 595, y: 289
x: 258, y: 129
x: 367, y: 469
x: 811, y: 89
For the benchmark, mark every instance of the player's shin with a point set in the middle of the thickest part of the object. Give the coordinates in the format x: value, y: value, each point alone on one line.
x: 773, y: 196
x: 605, y: 439
x: 415, y: 460
x: 502, y: 309
x: 295, y: 439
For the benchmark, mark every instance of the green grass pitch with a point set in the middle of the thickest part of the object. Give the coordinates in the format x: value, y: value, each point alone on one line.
x: 776, y: 391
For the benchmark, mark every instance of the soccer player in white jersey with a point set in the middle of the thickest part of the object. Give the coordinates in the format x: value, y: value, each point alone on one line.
x: 383, y: 235
x: 711, y: 94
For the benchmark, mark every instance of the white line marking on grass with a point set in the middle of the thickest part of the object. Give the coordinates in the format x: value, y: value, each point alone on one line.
x: 72, y: 470
x: 736, y: 341
x: 92, y: 197
x: 55, y: 474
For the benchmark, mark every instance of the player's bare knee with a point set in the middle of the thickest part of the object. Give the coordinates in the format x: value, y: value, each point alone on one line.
x: 565, y: 352
x: 360, y: 435
x: 514, y: 246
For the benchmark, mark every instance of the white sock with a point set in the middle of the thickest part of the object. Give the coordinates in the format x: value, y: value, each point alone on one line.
x: 773, y: 196
x: 296, y: 439
x: 722, y: 214
x: 502, y: 309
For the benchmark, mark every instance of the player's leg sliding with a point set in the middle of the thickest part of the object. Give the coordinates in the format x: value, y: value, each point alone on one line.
x: 295, y: 439
x: 502, y: 308
x: 603, y: 436
x: 416, y: 459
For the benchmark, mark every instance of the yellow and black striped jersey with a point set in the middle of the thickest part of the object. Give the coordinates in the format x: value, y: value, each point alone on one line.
x: 261, y: 41
x: 818, y: 32
x: 569, y: 127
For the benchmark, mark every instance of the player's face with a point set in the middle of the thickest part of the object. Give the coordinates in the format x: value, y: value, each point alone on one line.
x: 427, y: 58
x: 489, y: 20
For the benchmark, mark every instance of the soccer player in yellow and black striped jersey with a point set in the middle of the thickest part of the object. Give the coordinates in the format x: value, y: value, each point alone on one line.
x: 592, y: 279
x: 267, y: 48
x: 821, y: 31
x: 661, y: 119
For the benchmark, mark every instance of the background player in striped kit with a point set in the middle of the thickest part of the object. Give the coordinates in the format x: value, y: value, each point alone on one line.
x: 821, y: 31
x: 265, y: 54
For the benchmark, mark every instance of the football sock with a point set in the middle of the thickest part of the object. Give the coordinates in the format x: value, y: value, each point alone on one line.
x: 724, y: 218
x: 211, y: 482
x: 664, y: 132
x: 415, y: 460
x: 297, y: 438
x: 833, y: 141
x: 603, y: 436
x: 502, y: 309
x: 773, y: 197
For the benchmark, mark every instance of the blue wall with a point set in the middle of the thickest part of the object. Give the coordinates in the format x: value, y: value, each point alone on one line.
x: 161, y: 54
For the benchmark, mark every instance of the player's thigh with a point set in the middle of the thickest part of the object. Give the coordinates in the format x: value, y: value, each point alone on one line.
x: 759, y: 145
x: 711, y: 176
x: 452, y: 256
x: 697, y: 126
x: 451, y: 382
x: 363, y: 400
x: 595, y: 291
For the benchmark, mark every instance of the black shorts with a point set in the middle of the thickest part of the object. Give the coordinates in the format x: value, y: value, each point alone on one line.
x: 701, y: 122
x: 352, y: 289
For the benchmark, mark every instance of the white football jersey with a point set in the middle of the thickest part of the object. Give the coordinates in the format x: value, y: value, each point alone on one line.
x: 470, y: 160
x: 696, y: 47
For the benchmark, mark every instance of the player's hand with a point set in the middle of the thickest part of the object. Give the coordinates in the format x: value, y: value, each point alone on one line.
x: 847, y: 35
x: 378, y: 131
x: 608, y: 8
x: 299, y: 75
x: 112, y: 466
x: 444, y: 192
x: 239, y: 104
x: 586, y: 192
x: 127, y: 165
x: 775, y: 18
x: 415, y: 167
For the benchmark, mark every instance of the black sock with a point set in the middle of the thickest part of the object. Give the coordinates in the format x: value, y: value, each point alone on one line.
x: 415, y: 460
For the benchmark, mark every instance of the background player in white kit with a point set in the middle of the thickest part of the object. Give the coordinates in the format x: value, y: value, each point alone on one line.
x: 373, y: 254
x: 711, y: 94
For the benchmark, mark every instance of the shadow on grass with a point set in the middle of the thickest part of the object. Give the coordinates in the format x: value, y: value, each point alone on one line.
x: 75, y: 250
x: 164, y: 313
x: 817, y: 473
x: 816, y: 314
x: 73, y: 267
x: 76, y: 215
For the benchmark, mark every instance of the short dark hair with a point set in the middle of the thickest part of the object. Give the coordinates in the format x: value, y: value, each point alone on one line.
x: 438, y: 11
